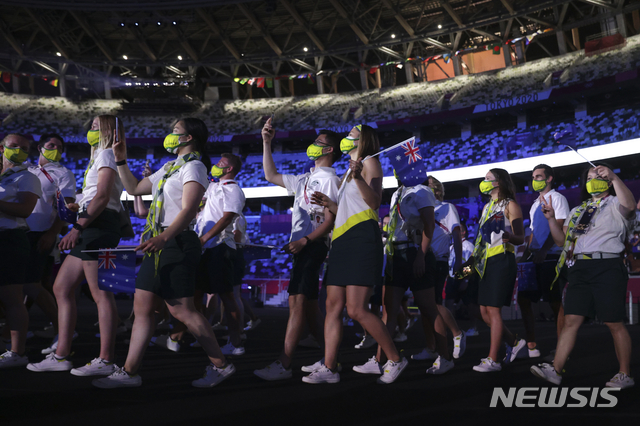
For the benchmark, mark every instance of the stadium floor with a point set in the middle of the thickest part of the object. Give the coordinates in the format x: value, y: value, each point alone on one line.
x: 166, y: 396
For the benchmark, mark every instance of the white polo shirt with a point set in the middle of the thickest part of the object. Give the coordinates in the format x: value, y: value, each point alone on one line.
x: 306, y: 217
x: 46, y: 210
x: 221, y: 197
x: 446, y: 220
x: 608, y: 230
x: 102, y: 158
x: 412, y: 199
x: 193, y: 171
x: 10, y: 186
x: 540, y: 225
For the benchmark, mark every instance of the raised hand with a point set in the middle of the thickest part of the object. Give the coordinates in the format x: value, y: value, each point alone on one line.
x: 547, y: 208
x: 605, y: 173
x: 268, y: 132
x: 146, y: 172
x: 119, y: 148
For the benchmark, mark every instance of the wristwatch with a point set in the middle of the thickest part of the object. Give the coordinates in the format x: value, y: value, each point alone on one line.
x: 78, y: 227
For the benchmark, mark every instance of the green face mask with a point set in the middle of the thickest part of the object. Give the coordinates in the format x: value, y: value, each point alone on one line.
x: 53, y: 155
x: 486, y: 186
x: 93, y: 137
x: 172, y: 142
x: 538, y: 185
x: 348, y: 144
x: 315, y: 151
x: 15, y: 155
x: 594, y: 186
x: 218, y: 171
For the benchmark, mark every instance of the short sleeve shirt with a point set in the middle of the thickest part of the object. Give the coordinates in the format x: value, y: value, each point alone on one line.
x: 608, y: 230
x: 412, y: 200
x: 10, y: 186
x: 192, y: 171
x: 102, y: 158
x: 221, y: 197
x: 46, y: 210
x: 306, y: 217
x: 446, y: 220
x: 540, y: 225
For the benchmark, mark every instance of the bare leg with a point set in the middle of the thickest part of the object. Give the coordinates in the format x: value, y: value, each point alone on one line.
x: 16, y: 314
x: 358, y: 309
x: 392, y: 297
x: 295, y: 326
x: 234, y: 317
x: 622, y: 344
x: 336, y: 300
x: 314, y: 319
x: 528, y: 320
x: 426, y: 301
x: 107, y: 311
x: 567, y: 340
x: 69, y: 277
x: 144, y: 307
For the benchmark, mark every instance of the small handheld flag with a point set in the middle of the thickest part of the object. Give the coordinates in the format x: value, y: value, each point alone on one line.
x: 63, y: 211
x: 407, y: 163
x: 494, y: 224
x: 117, y: 271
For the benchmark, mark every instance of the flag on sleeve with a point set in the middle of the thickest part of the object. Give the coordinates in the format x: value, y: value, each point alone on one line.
x: 117, y: 271
x: 407, y: 163
x: 63, y: 211
x: 494, y: 224
x: 567, y: 137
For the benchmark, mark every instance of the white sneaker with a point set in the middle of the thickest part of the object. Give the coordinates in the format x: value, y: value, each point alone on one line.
x: 252, y: 324
x: 118, y: 379
x: 366, y: 343
x: 529, y: 353
x: 51, y: 363
x: 11, y: 359
x: 392, y: 370
x: 323, y: 375
x: 229, y: 349
x: 424, y: 355
x: 459, y: 345
x: 472, y: 332
x: 440, y: 366
x: 214, y: 375
x: 165, y: 341
x: 309, y: 342
x: 54, y: 344
x: 487, y: 365
x: 97, y: 367
x: 217, y: 327
x: 372, y: 366
x: 621, y: 381
x: 274, y: 371
x: 512, y: 351
x: 317, y: 366
x: 546, y: 372
x: 400, y: 337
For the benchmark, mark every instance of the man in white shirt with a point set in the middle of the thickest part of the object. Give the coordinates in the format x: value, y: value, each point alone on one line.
x: 44, y: 223
x: 544, y: 254
x: 309, y: 241
x: 223, y: 201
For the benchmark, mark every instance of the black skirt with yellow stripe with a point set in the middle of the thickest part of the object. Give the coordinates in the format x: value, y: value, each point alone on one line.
x: 356, y: 257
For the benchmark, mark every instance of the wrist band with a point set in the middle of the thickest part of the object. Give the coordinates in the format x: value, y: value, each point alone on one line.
x: 307, y: 238
x: 78, y: 227
x: 121, y: 163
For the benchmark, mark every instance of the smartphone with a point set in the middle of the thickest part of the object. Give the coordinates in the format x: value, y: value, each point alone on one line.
x: 273, y: 116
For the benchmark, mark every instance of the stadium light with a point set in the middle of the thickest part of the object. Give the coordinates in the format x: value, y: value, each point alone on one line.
x: 174, y: 23
x: 305, y: 49
x: 393, y: 36
x: 58, y: 54
x: 439, y: 26
x: 122, y: 24
x: 125, y: 57
x: 179, y: 57
x: 159, y: 23
x: 560, y: 159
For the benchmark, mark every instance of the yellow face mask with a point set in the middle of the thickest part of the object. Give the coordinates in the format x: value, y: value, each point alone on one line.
x: 172, y: 142
x: 53, y: 155
x: 595, y: 186
x: 486, y: 186
x: 218, y: 171
x: 15, y: 155
x: 348, y: 144
x: 538, y: 185
x: 315, y: 151
x: 93, y: 137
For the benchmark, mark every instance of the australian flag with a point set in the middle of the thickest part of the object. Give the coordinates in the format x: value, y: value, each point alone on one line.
x: 117, y: 271
x: 494, y: 224
x: 63, y: 211
x: 407, y: 163
x: 567, y: 137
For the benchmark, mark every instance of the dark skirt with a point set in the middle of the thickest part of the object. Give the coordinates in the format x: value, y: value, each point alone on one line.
x: 102, y: 233
x: 356, y: 257
x: 496, y: 287
x: 14, y: 256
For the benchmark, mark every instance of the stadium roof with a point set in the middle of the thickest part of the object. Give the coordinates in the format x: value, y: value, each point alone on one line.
x: 219, y: 40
